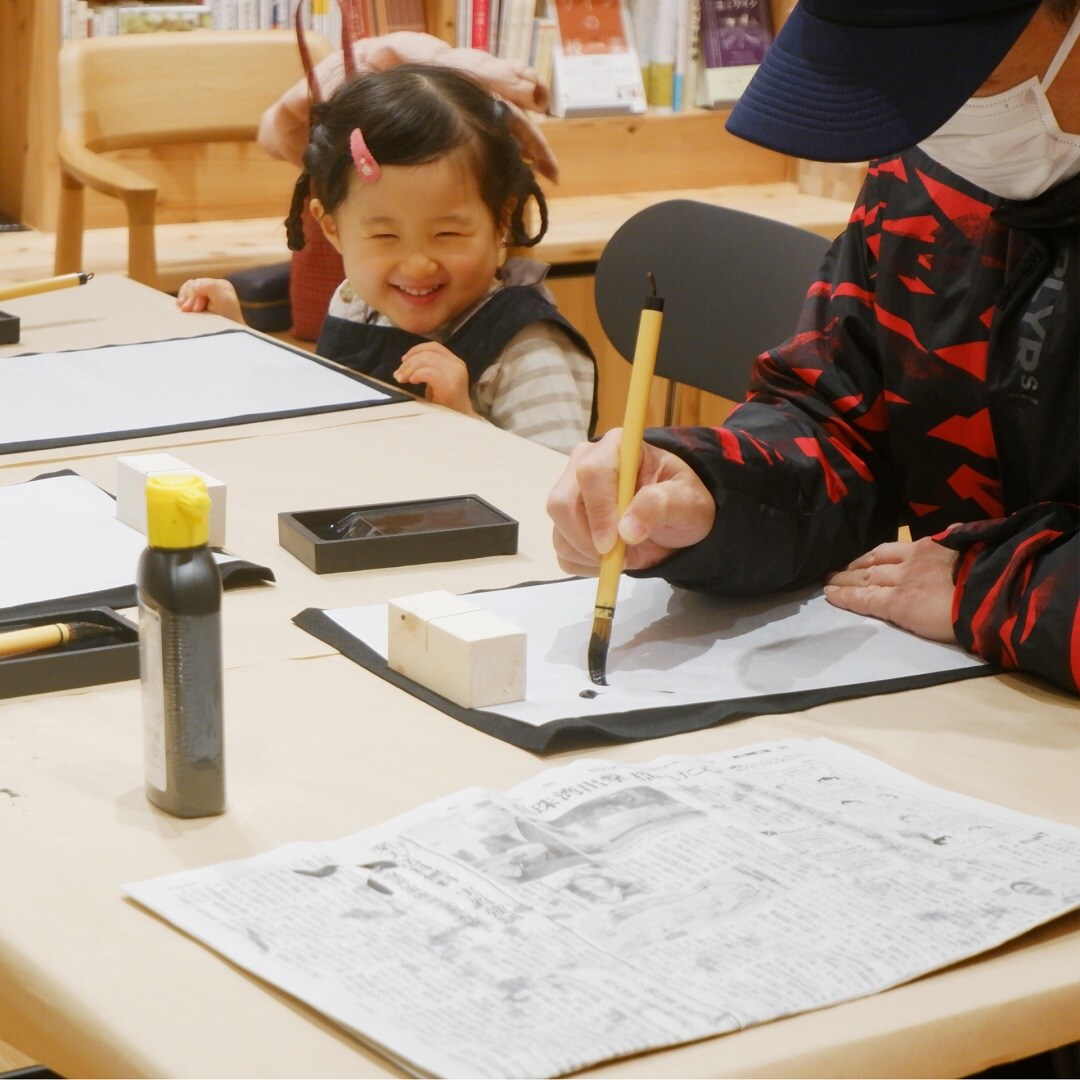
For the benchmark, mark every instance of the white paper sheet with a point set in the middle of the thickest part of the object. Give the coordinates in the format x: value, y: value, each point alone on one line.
x: 59, y: 537
x: 671, y: 647
x: 163, y: 385
x: 602, y: 909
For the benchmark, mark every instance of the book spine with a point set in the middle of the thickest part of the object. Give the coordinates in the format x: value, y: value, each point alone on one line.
x: 542, y: 48
x: 463, y: 23
x: 659, y: 86
x: 521, y: 42
x: 640, y: 20
x: 682, y: 55
x: 515, y: 29
x: 406, y: 15
x: 82, y: 20
x: 479, y: 37
x: 156, y: 18
x: 693, y: 51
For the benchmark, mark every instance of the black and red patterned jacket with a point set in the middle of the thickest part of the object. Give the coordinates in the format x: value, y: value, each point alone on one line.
x: 933, y: 379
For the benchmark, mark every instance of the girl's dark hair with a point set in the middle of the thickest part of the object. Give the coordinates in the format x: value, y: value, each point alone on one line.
x: 414, y: 114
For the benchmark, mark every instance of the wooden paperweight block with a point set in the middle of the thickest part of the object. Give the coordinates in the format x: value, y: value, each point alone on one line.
x: 468, y: 655
x: 132, y: 473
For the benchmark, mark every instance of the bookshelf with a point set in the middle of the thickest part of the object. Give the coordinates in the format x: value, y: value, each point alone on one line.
x: 610, y: 166
x: 604, y: 155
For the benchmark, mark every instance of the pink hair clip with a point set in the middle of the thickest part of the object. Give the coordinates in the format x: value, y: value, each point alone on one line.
x: 366, y: 165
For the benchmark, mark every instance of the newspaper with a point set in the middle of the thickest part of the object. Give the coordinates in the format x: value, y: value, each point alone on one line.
x: 602, y: 909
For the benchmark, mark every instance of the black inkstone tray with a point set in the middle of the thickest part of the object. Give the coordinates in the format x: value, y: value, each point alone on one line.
x: 397, y: 534
x: 9, y: 329
x: 112, y: 656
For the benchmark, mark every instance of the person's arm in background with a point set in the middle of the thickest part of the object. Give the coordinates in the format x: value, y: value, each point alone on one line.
x: 798, y: 483
x: 1012, y: 591
x: 283, y: 129
x: 803, y: 487
x: 800, y: 472
x: 216, y: 295
x: 795, y: 483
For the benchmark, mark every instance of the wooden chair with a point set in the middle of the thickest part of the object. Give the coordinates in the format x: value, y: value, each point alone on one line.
x: 140, y: 113
x: 732, y: 282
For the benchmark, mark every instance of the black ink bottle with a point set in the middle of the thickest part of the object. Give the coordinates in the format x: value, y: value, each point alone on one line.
x: 180, y: 661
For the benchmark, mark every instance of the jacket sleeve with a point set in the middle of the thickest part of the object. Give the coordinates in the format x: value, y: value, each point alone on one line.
x: 1017, y: 598
x: 800, y: 471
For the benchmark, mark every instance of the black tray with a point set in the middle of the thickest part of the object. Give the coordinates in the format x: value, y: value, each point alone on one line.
x: 104, y: 658
x: 397, y: 534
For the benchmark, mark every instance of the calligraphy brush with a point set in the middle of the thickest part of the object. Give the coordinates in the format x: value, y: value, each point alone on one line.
x: 49, y: 636
x: 633, y: 432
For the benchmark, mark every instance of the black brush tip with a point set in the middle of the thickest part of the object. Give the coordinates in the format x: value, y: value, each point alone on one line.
x: 81, y: 629
x: 598, y: 650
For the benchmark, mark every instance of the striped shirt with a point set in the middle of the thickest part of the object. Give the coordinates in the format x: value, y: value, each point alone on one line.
x: 541, y: 386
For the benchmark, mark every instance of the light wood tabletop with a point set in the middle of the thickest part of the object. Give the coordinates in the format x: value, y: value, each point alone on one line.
x: 318, y: 748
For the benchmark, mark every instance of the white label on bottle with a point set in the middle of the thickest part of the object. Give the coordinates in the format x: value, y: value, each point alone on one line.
x: 153, y: 697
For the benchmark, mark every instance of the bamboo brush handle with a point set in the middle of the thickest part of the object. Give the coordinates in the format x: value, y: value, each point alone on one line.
x: 34, y: 638
x: 633, y: 431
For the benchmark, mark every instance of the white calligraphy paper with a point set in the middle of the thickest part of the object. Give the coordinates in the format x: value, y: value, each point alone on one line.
x: 60, y: 537
x: 670, y: 647
x: 84, y: 395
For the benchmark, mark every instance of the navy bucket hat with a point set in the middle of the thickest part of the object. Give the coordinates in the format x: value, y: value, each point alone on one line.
x: 849, y: 80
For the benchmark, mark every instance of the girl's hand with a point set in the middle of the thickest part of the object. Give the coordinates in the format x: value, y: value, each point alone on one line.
x: 907, y: 584
x: 672, y: 508
x: 446, y: 375
x: 215, y: 295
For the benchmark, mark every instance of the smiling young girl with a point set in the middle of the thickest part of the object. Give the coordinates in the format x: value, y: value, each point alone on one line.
x: 416, y: 176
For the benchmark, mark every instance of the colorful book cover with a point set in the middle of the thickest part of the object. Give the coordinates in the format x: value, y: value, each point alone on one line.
x: 734, y: 37
x: 480, y: 24
x: 596, y: 69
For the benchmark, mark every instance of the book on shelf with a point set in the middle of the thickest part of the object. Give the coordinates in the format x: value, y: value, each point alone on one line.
x: 462, y: 23
x: 386, y: 16
x: 542, y: 49
x: 686, y: 43
x: 480, y: 23
x: 734, y: 37
x: 515, y: 30
x: 665, y: 35
x: 151, y: 18
x: 639, y: 13
x: 104, y: 18
x: 362, y: 16
x: 80, y: 18
x: 661, y: 34
x: 595, y: 66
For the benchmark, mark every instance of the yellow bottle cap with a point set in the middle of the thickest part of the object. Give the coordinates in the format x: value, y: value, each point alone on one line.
x: 177, y: 510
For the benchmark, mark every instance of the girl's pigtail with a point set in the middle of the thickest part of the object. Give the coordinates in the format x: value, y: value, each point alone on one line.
x: 519, y: 233
x: 294, y: 225
x: 524, y: 185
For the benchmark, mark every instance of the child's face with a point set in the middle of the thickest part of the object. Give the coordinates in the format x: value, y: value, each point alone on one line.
x: 419, y: 244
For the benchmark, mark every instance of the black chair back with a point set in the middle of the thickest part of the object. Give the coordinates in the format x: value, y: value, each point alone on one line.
x: 732, y: 282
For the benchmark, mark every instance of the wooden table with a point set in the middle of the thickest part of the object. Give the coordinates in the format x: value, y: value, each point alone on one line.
x: 317, y: 747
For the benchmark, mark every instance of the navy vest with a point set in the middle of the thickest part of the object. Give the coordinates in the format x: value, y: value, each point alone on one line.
x: 377, y: 350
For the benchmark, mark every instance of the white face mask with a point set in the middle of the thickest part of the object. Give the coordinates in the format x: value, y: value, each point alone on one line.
x: 1010, y: 143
